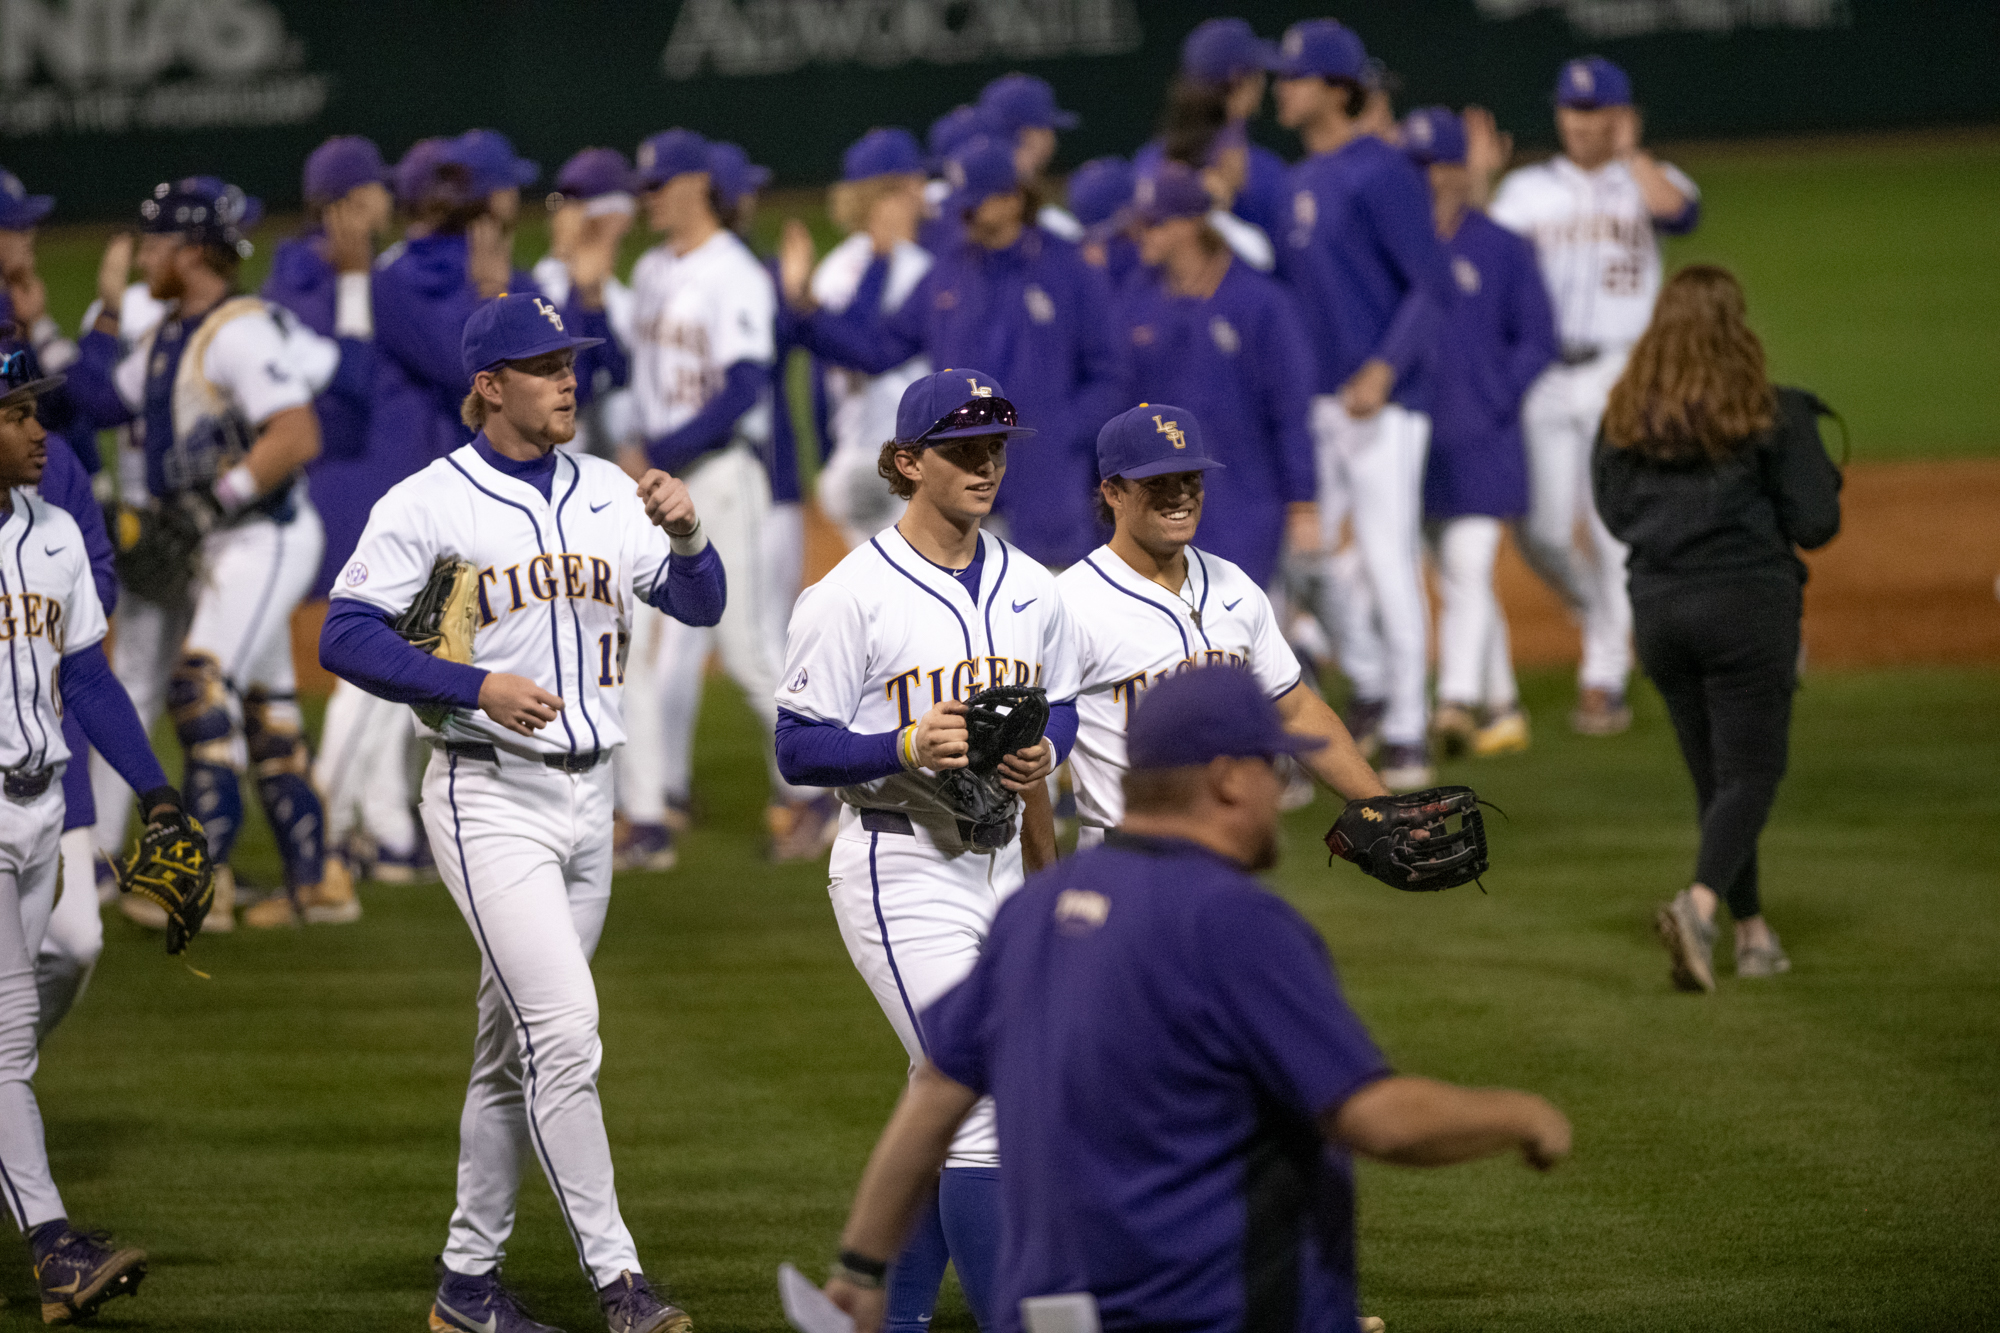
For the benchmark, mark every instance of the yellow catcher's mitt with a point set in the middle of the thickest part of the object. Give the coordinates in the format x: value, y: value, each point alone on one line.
x: 171, y: 867
x: 442, y: 622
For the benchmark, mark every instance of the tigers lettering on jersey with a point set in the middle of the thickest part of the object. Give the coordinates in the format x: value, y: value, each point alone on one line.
x: 961, y: 681
x: 546, y: 578
x: 40, y: 617
x: 1129, y: 690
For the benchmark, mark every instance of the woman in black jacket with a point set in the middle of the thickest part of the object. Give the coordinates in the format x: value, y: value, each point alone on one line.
x: 1712, y: 476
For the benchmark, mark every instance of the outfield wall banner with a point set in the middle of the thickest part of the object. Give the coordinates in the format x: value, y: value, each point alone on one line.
x: 99, y: 99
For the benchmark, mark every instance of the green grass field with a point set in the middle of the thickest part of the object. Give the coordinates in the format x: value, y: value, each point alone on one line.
x: 1871, y: 269
x: 1815, y: 1152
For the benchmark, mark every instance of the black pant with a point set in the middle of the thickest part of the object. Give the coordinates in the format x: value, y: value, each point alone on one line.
x: 1725, y: 655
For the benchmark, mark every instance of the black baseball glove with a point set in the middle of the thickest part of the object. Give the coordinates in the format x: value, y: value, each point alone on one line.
x: 998, y: 721
x: 442, y: 621
x: 171, y: 867
x: 1379, y: 835
x: 158, y: 549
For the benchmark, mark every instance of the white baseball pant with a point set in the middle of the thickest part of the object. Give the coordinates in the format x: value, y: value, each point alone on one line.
x: 74, y: 938
x: 1560, y: 418
x: 914, y: 909
x: 30, y: 833
x: 363, y: 770
x: 525, y: 851
x: 1475, y: 658
x: 1376, y: 466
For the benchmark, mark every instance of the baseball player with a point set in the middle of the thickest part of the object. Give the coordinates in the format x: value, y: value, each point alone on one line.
x: 1013, y: 296
x: 1594, y: 213
x: 879, y: 202
x: 1020, y: 111
x: 1148, y: 605
x: 1213, y: 334
x: 25, y: 321
x: 702, y: 355
x: 941, y: 229
x: 560, y: 548
x: 1372, y: 281
x: 590, y: 211
x: 53, y: 626
x: 1100, y: 194
x: 224, y: 386
x: 883, y: 653
x: 1501, y: 336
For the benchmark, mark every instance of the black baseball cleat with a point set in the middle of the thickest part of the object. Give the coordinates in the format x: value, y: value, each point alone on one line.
x: 84, y: 1271
x: 632, y: 1306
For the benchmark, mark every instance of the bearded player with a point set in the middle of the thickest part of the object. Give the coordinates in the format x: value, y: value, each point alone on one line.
x: 883, y: 654
x: 550, y: 554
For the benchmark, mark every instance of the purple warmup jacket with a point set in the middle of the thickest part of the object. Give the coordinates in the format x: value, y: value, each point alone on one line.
x: 1240, y: 362
x: 1036, y: 317
x: 1370, y: 273
x: 1497, y: 335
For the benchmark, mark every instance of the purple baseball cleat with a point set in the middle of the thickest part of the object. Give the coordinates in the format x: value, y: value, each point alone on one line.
x: 81, y: 1271
x: 632, y: 1306
x: 478, y: 1303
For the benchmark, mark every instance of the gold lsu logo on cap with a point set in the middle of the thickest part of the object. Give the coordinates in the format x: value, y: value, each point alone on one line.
x: 978, y: 390
x: 550, y: 313
x: 1172, y: 430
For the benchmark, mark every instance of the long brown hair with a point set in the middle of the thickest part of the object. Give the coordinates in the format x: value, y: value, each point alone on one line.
x: 1695, y: 387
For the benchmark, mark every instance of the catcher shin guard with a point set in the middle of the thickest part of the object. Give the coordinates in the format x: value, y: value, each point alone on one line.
x: 198, y: 699
x: 281, y: 761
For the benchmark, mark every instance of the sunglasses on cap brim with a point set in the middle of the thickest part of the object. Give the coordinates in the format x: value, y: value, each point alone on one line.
x: 977, y: 416
x: 18, y: 379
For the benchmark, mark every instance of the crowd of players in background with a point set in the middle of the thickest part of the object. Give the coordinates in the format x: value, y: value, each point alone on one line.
x: 1394, y: 357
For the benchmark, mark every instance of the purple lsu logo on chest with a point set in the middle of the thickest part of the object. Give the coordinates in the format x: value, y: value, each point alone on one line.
x: 960, y: 681
x: 540, y: 580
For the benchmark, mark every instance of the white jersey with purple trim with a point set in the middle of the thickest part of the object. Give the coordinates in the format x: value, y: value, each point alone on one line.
x: 1132, y: 633
x: 693, y: 317
x: 558, y: 581
x: 48, y: 607
x: 886, y: 634
x: 1595, y: 240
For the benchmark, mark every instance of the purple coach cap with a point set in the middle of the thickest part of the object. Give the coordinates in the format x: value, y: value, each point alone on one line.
x: 890, y: 151
x: 980, y: 169
x: 1015, y: 102
x: 955, y: 404
x: 20, y: 210
x: 1321, y: 48
x: 1151, y: 440
x: 339, y: 165
x: 1220, y: 50
x: 733, y: 175
x: 1592, y: 82
x: 668, y: 154
x: 490, y: 157
x: 515, y: 328
x: 1100, y: 189
x: 594, y: 172
x: 1191, y: 718
x: 1171, y: 191
x: 1434, y: 134
x: 417, y: 172
x: 953, y: 130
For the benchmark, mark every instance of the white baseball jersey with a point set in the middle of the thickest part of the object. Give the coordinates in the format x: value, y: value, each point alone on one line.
x: 862, y: 408
x: 48, y: 607
x: 264, y: 362
x: 558, y: 580
x: 1595, y: 241
x: 693, y: 317
x: 1132, y: 633
x: 886, y: 634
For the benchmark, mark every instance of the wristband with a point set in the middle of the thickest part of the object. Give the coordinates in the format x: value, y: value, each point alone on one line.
x: 235, y: 488
x: 692, y: 544
x: 906, y: 747
x: 861, y: 1271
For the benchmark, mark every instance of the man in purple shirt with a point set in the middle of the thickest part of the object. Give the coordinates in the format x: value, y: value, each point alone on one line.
x: 1177, y: 1080
x: 1372, y: 282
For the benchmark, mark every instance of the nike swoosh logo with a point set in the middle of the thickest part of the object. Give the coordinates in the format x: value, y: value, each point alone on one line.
x: 595, y: 508
x: 491, y: 1324
x: 1231, y: 606
x: 1022, y: 606
x: 51, y: 550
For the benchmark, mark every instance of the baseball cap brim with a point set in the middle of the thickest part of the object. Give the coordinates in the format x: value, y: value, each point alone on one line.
x: 27, y: 211
x: 1164, y: 466
x: 556, y: 342
x: 967, y: 432
x: 33, y: 388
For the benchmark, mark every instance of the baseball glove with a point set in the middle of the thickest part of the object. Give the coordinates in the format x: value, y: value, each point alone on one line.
x: 442, y: 621
x: 998, y: 721
x: 170, y: 866
x: 158, y: 550
x: 1379, y: 834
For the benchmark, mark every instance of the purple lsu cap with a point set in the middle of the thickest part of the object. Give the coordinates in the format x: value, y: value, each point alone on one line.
x: 1099, y: 190
x: 733, y: 175
x: 1321, y: 48
x: 1434, y: 134
x: 1592, y: 82
x: 1171, y: 191
x: 20, y: 210
x: 668, y: 154
x: 890, y: 151
x: 515, y: 328
x: 416, y: 174
x: 953, y: 130
x: 954, y: 404
x: 341, y: 164
x: 490, y: 157
x: 1015, y: 102
x: 594, y: 172
x: 1151, y: 440
x: 1221, y: 50
x: 980, y: 169
x: 1188, y: 719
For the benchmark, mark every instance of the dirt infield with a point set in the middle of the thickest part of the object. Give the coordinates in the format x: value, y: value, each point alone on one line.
x: 1911, y: 578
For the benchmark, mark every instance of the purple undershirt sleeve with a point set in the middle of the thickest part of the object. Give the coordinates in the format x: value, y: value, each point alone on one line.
x: 358, y: 645
x: 1061, y: 731
x: 695, y: 589
x: 94, y: 696
x: 715, y: 424
x: 820, y: 754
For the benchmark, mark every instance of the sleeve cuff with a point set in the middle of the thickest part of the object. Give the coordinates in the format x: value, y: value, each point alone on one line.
x: 691, y: 545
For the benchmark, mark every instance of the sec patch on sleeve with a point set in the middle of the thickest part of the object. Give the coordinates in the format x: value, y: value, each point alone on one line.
x: 356, y: 575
